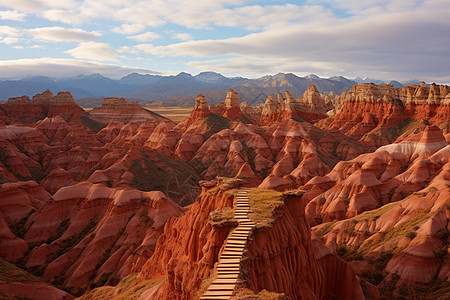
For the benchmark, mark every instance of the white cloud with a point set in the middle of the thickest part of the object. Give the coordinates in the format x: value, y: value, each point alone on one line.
x: 23, y: 5
x: 404, y: 38
x: 9, y: 31
x: 144, y: 37
x: 408, y: 44
x: 38, y: 5
x: 9, y: 35
x: 129, y: 28
x: 9, y: 40
x: 68, y: 17
x: 61, y: 34
x: 94, y: 51
x: 12, y: 15
x: 183, y: 36
x: 62, y: 68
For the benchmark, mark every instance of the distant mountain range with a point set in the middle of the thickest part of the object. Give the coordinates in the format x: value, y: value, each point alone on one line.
x: 179, y: 90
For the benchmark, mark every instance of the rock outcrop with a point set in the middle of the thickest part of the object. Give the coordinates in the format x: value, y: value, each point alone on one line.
x: 188, y: 248
x: 311, y: 108
x: 92, y: 232
x: 22, y: 110
x: 120, y: 110
x: 275, y: 255
x: 84, y: 198
x: 369, y: 110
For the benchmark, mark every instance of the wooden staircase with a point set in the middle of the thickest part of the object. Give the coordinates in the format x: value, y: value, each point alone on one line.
x: 229, y: 267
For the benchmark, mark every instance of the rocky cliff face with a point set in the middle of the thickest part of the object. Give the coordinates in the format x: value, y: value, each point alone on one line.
x: 92, y: 233
x: 370, y: 109
x: 311, y: 108
x: 189, y: 247
x: 22, y: 110
x: 283, y: 259
x: 389, y: 174
x: 63, y: 177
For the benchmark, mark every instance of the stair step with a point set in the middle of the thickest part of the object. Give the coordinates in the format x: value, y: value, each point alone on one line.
x: 218, y: 293
x: 229, y: 261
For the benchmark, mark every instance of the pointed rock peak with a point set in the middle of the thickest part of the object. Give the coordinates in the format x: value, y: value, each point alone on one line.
x: 269, y: 100
x: 312, y: 88
x: 245, y: 171
x: 289, y: 97
x: 280, y: 98
x: 201, y: 109
x: 432, y: 134
x: 232, y: 99
x: 201, y: 102
x: 423, y: 84
x: 64, y: 97
x: 42, y: 97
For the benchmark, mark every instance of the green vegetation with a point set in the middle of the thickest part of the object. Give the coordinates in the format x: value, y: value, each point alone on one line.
x: 325, y: 228
x: 59, y: 231
x: 19, y: 228
x: 223, y: 215
x: 206, y: 282
x: 145, y: 219
x: 129, y: 288
x: 213, y: 124
x: 11, y: 273
x: 76, y: 238
x: 174, y: 178
x: 92, y: 124
x: 437, y: 289
x: 330, y: 161
x: 3, y: 153
x: 263, y: 203
x: 375, y: 273
x: 264, y: 294
x: 37, y: 174
x: 300, y: 120
x: 391, y: 133
x: 442, y: 234
x: 226, y: 184
x: 376, y: 213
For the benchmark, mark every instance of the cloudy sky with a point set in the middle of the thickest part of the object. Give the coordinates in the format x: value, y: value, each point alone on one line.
x: 385, y: 39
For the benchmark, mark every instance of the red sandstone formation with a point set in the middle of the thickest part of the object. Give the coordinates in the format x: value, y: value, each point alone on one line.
x: 22, y: 110
x: 311, y: 108
x: 413, y: 229
x: 374, y: 151
x: 369, y: 110
x: 188, y: 248
x: 120, y: 110
x: 371, y: 180
x: 201, y: 109
x: 229, y: 108
x: 94, y: 232
x: 274, y: 262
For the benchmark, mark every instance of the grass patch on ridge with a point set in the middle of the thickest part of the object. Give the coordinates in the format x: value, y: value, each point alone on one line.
x: 262, y: 204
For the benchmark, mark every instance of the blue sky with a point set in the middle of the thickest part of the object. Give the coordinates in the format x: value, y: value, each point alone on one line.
x: 385, y: 39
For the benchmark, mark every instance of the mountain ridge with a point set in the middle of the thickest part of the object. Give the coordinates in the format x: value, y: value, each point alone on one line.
x: 175, y: 90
